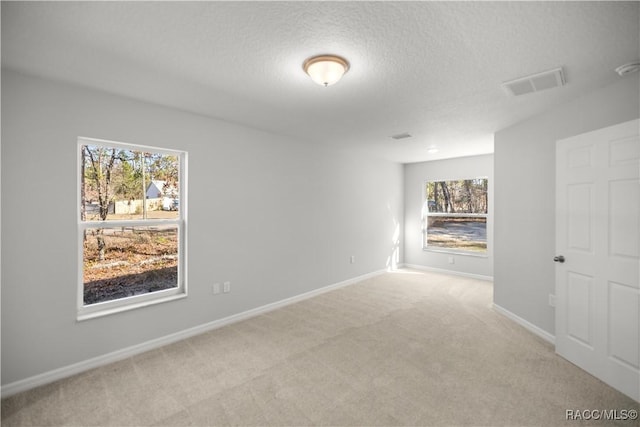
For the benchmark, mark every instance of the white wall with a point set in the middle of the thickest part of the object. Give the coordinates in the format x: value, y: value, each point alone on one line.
x: 524, y: 272
x: 275, y: 216
x: 415, y: 175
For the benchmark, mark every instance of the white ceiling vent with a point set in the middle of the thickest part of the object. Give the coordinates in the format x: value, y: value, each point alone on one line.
x: 401, y: 135
x: 535, y: 82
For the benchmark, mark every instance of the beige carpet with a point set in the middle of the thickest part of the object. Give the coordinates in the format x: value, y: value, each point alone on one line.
x: 403, y: 348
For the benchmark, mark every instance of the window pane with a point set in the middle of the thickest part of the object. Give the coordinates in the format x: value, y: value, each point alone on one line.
x: 120, y: 262
x: 120, y: 184
x: 457, y: 233
x: 460, y: 196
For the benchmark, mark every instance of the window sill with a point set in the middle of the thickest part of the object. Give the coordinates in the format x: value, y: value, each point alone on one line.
x: 82, y: 316
x: 454, y: 252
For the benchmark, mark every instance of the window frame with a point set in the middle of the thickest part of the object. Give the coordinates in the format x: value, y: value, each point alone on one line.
x: 85, y: 312
x: 426, y: 214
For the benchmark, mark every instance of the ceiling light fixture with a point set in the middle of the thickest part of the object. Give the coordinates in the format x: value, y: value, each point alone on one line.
x: 326, y: 69
x: 629, y: 68
x: 432, y: 150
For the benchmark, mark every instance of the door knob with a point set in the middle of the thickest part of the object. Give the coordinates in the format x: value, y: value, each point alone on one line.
x: 559, y: 258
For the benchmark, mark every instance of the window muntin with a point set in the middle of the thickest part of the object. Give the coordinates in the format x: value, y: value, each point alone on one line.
x: 131, y: 226
x: 454, y: 216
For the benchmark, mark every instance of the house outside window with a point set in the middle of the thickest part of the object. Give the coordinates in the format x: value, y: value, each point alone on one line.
x: 454, y: 216
x: 131, y: 246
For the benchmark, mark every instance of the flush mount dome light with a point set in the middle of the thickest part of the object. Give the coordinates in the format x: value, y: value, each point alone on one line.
x: 326, y: 69
x: 631, y: 67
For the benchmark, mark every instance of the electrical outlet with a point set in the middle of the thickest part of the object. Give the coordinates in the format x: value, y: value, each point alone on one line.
x: 353, y: 259
x: 216, y: 288
x: 552, y: 300
x: 226, y: 287
x: 452, y: 260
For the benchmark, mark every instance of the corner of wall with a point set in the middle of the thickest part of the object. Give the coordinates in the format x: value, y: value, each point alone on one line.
x: 524, y: 232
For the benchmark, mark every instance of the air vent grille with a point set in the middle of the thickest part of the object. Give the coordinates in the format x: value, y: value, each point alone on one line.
x: 401, y: 135
x: 535, y: 82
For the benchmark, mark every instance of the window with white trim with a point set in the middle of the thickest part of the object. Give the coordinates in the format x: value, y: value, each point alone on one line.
x: 131, y: 226
x: 454, y: 216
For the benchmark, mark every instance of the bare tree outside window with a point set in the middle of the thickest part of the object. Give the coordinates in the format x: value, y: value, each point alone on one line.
x: 454, y: 215
x: 130, y: 220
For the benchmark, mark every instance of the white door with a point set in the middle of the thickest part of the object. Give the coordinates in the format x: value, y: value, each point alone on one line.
x: 598, y: 235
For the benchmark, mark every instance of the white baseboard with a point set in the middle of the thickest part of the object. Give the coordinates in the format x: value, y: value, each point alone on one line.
x: 95, y: 362
x: 526, y: 324
x: 443, y: 271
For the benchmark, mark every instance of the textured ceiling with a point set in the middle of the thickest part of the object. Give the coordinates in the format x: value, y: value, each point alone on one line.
x: 432, y: 69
